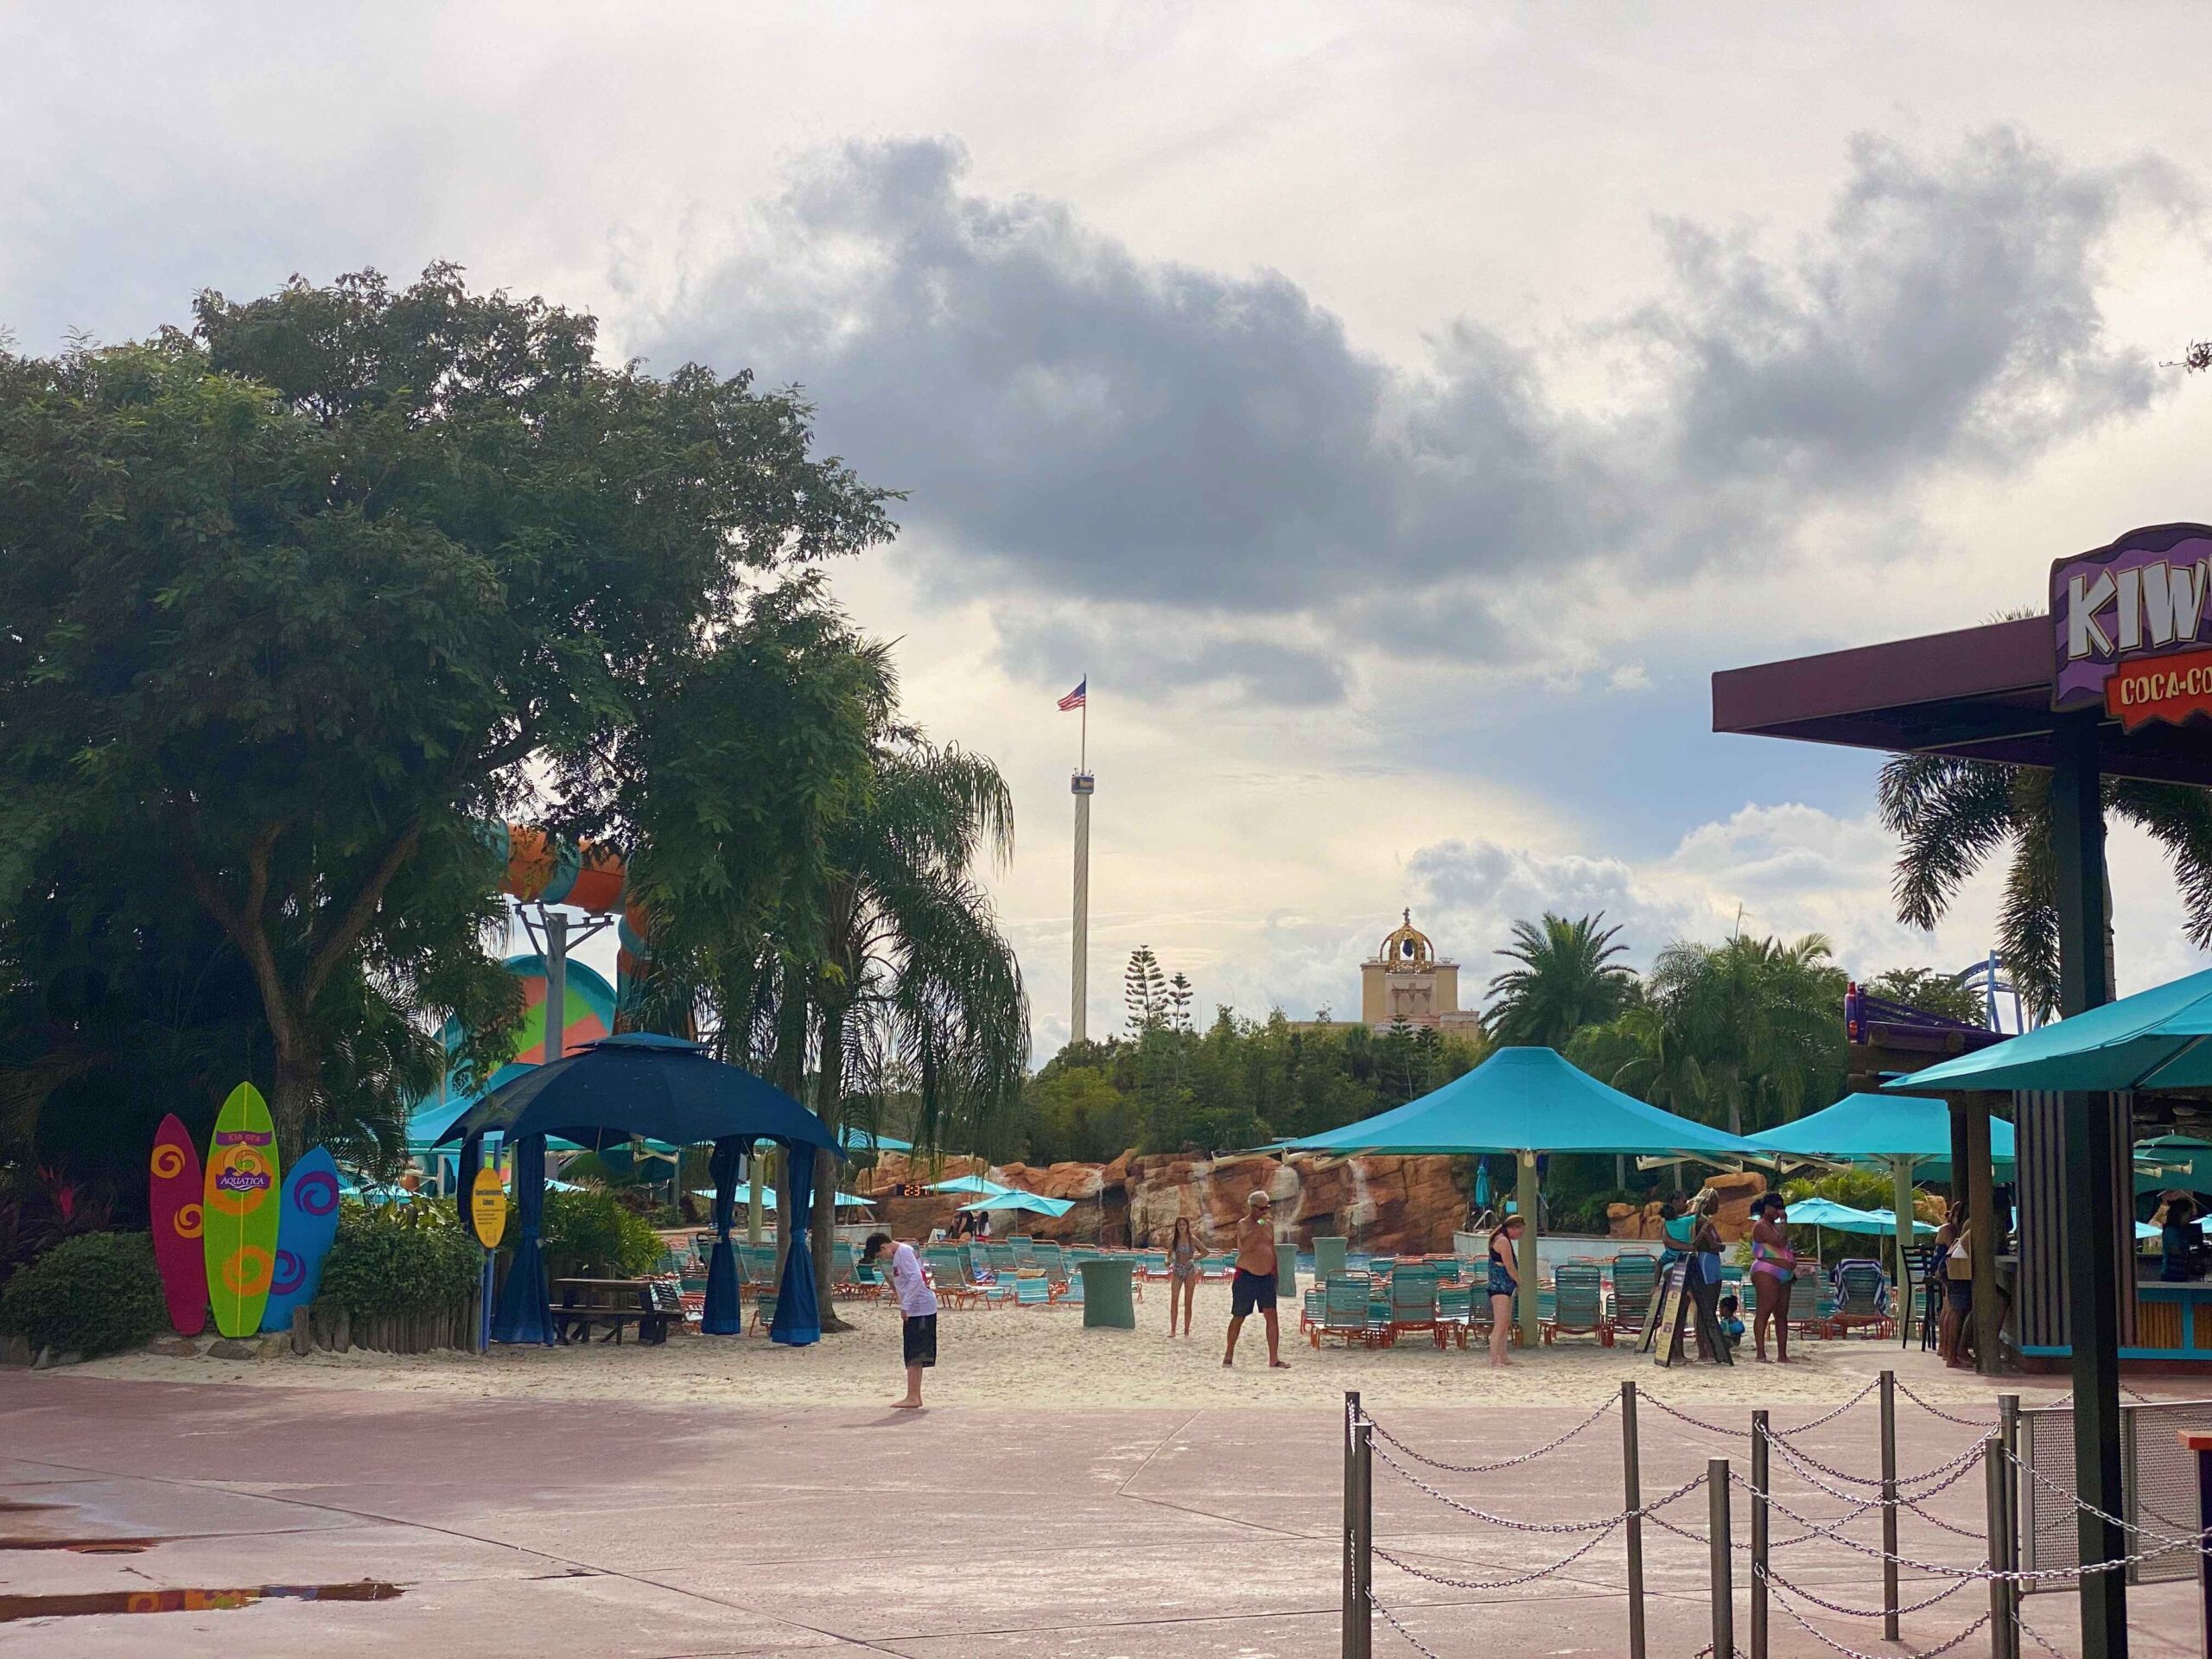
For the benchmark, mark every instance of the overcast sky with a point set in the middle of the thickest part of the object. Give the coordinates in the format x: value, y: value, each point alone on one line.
x: 1397, y: 410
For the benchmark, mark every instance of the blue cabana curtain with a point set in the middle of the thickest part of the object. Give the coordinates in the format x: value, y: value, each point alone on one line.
x: 724, y: 1316
x: 798, y: 1316
x: 523, y: 1314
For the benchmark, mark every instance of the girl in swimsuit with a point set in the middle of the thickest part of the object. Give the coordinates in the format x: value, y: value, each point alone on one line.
x: 1773, y: 1269
x: 1182, y: 1257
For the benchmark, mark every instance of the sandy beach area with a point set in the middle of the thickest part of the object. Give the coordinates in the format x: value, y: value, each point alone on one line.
x: 1042, y: 1357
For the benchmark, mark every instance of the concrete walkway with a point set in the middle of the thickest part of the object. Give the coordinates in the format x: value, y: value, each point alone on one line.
x: 659, y: 1531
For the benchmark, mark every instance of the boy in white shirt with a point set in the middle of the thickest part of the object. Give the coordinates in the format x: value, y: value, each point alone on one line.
x: 917, y: 1304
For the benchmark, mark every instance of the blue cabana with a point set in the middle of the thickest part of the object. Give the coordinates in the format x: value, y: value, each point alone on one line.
x: 664, y: 1089
x: 1035, y: 1203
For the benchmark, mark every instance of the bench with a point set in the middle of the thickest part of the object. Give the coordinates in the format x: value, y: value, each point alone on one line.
x: 575, y: 1324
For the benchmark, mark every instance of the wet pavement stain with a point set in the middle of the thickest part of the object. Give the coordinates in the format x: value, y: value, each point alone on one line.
x: 189, y: 1601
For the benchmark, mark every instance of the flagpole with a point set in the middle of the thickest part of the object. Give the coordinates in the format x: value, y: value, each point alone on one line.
x: 1084, y: 763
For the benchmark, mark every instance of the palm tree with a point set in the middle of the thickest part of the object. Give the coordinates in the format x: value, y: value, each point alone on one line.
x: 1567, y: 979
x: 1756, y: 1028
x: 1951, y: 815
x: 913, y: 983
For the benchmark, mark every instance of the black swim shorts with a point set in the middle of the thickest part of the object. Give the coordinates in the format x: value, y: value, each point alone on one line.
x: 921, y: 1339
x: 1252, y: 1293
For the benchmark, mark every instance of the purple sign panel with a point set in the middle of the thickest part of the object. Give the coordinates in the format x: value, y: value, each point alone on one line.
x: 2143, y: 598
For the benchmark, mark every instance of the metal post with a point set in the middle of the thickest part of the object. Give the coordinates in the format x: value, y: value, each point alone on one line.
x: 1361, y: 1645
x: 2077, y: 843
x: 557, y: 983
x: 1352, y: 1526
x: 1984, y: 1236
x: 2006, y: 1639
x: 1889, y: 1505
x: 2203, y: 1448
x: 1723, y: 1545
x: 1526, y: 1200
x: 2001, y: 1643
x: 1632, y: 1491
x: 1901, y: 1208
x: 1758, y: 1534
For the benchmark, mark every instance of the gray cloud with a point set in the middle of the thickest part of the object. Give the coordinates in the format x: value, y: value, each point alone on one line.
x: 1261, y: 503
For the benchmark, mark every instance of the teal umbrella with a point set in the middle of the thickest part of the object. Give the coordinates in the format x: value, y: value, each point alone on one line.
x: 2154, y: 1039
x: 1526, y: 1101
x: 1036, y: 1203
x: 1839, y: 1217
x: 979, y: 1184
x: 1905, y: 1137
x: 2176, y: 1160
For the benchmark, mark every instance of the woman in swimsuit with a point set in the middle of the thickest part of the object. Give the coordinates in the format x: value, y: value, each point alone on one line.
x: 1774, y: 1270
x: 1504, y: 1281
x: 1182, y: 1257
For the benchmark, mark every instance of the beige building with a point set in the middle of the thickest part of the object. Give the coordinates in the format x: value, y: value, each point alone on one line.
x: 1406, y: 980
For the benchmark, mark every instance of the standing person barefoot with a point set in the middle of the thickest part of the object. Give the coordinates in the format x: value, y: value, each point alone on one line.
x: 1504, y: 1284
x: 1774, y: 1270
x: 918, y: 1305
x: 1254, y: 1287
x: 1183, y: 1258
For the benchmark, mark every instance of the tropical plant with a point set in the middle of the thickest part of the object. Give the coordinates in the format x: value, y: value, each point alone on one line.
x: 1931, y: 993
x: 596, y: 1230
x: 394, y: 1259
x: 1745, y: 1033
x: 1568, y: 978
x: 90, y: 1294
x: 1952, y: 816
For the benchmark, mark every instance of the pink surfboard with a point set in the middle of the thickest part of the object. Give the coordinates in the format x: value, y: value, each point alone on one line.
x: 174, y: 1198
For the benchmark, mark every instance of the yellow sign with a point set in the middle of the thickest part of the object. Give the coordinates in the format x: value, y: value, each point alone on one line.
x: 487, y: 1208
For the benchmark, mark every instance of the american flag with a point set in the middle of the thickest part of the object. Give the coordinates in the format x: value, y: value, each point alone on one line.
x: 1076, y: 698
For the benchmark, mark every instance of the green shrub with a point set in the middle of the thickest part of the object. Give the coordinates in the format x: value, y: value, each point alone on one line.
x: 90, y: 1294
x: 590, y: 1229
x: 398, y: 1259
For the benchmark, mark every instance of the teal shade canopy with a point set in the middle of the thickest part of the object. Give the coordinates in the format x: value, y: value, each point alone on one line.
x: 1866, y: 1128
x: 1035, y: 1203
x: 980, y: 1186
x: 2158, y: 1039
x: 1527, y: 1100
x: 2181, y: 1161
x: 856, y: 1138
x: 1845, y: 1218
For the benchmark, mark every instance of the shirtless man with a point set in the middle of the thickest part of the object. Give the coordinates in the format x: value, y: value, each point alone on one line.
x: 1255, y: 1285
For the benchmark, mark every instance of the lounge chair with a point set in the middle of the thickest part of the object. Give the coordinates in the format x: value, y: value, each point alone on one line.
x: 1455, y: 1312
x: 1053, y: 1263
x: 1412, y: 1302
x: 1031, y: 1293
x: 1635, y: 1274
x: 1862, y: 1292
x: 1578, y: 1305
x: 1344, y: 1312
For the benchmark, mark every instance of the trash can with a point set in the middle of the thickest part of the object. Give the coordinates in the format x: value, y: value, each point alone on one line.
x: 1106, y: 1292
x: 1328, y: 1255
x: 1287, y: 1276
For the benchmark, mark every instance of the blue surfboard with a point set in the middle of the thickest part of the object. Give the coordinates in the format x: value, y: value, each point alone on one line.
x: 306, y: 1222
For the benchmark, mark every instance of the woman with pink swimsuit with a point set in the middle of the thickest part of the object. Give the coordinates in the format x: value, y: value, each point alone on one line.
x: 1773, y: 1269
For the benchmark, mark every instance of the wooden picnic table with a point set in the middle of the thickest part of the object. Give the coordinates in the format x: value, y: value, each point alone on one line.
x: 612, y: 1303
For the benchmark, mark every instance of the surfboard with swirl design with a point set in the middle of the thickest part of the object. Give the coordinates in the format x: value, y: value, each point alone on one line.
x: 307, y: 1223
x: 241, y: 1196
x: 174, y: 1201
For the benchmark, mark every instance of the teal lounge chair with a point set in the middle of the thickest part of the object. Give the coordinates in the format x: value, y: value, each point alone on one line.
x: 1344, y: 1312
x: 1579, y: 1307
x: 1635, y: 1274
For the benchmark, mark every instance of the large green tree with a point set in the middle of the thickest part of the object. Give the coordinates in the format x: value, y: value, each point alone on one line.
x: 1568, y: 976
x: 303, y: 597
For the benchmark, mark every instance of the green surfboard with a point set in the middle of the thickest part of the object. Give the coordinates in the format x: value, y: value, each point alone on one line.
x: 243, y: 1199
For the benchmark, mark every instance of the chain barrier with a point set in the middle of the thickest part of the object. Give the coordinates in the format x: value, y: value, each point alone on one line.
x: 1603, y: 1523
x: 1827, y: 1640
x: 1799, y: 1590
x: 1391, y: 1620
x: 1497, y: 1584
x: 2193, y: 1542
x: 1591, y: 1422
x: 2037, y: 1635
x: 1716, y: 1429
x: 1937, y: 1411
x: 1953, y: 1467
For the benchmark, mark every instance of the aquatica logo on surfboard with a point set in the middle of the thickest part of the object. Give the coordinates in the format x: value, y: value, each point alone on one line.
x: 244, y: 1180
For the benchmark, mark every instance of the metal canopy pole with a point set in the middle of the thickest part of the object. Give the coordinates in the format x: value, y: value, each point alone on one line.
x: 2077, y: 835
x: 1980, y: 1193
x: 1526, y: 1200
